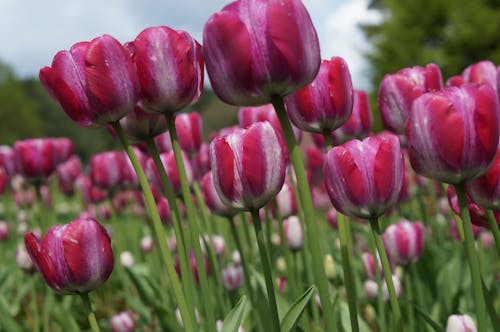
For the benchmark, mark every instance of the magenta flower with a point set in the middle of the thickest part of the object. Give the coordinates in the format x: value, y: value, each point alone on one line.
x: 398, y: 91
x: 326, y: 103
x: 168, y: 161
x: 74, y: 258
x: 123, y: 321
x: 95, y: 82
x: 139, y: 125
x: 67, y: 173
x: 112, y: 170
x: 286, y: 204
x: 212, y: 199
x: 404, y: 241
x: 170, y: 68
x: 201, y: 161
x: 482, y: 72
x: 248, y: 166
x: 36, y: 158
x: 485, y: 190
x: 453, y: 134
x: 257, y: 49
x: 190, y: 131
x: 233, y: 277
x: 7, y: 160
x: 364, y: 178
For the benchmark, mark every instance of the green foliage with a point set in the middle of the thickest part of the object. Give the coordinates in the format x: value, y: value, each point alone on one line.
x: 451, y: 33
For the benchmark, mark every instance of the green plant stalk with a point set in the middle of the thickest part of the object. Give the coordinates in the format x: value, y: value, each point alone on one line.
x: 90, y: 312
x: 348, y: 273
x: 158, y: 229
x: 266, y: 267
x: 186, y: 273
x: 305, y: 198
x: 194, y: 229
x: 472, y: 258
x: 494, y: 230
x: 386, y: 268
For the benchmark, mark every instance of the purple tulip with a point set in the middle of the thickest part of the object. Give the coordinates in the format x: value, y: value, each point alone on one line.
x: 248, y: 166
x: 398, y: 91
x: 7, y: 160
x: 453, y: 133
x: 485, y: 190
x: 74, y: 258
x: 170, y: 68
x: 168, y: 161
x: 212, y: 199
x: 258, y: 49
x: 190, y: 132
x: 232, y: 277
x: 326, y: 103
x: 364, y: 178
x: 36, y: 157
x: 94, y: 82
x: 404, y: 241
x: 139, y: 125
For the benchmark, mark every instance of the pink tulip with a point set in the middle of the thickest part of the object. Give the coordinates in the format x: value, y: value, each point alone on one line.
x: 68, y: 172
x: 7, y: 160
x: 147, y: 244
x: 123, y: 321
x: 398, y: 91
x: 359, y: 123
x: 248, y: 166
x: 371, y: 288
x: 453, y: 133
x: 94, y: 82
x: 36, y: 158
x: 485, y: 190
x: 364, y: 178
x: 74, y: 258
x: 326, y: 103
x: 4, y: 230
x: 112, y: 170
x: 201, y: 161
x: 255, y: 50
x: 168, y: 161
x: 293, y: 232
x: 482, y: 72
x: 478, y: 215
x: 286, y: 203
x: 369, y: 265
x: 170, y: 68
x: 404, y: 241
x: 232, y: 277
x: 163, y: 143
x: 212, y: 199
x: 460, y: 323
x: 140, y: 126
x: 23, y: 259
x: 190, y: 131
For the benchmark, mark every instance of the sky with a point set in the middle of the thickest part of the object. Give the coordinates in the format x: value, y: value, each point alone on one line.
x: 33, y: 31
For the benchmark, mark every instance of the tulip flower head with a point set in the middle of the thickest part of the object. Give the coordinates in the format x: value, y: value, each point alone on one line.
x: 364, y: 178
x: 460, y: 323
x: 74, y: 258
x: 248, y: 166
x: 404, y: 241
x: 453, y: 133
x: 255, y: 50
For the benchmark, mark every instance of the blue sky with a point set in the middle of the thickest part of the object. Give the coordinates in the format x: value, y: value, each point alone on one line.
x: 32, y: 31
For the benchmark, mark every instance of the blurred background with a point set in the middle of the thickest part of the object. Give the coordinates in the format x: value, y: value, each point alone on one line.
x: 374, y: 37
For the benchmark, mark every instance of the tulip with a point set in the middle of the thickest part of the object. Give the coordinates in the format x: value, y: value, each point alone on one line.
x: 67, y: 173
x: 163, y: 142
x: 478, y: 215
x: 190, y: 132
x: 35, y: 158
x: 232, y: 277
x: 248, y: 166
x: 194, y: 266
x: 7, y: 160
x: 170, y: 68
x: 255, y: 50
x: 108, y: 169
x: 123, y: 322
x: 482, y: 72
x: 127, y: 259
x: 201, y: 161
x: 95, y: 82
x: 453, y: 134
x: 364, y: 178
x: 398, y: 91
x: 64, y: 148
x: 139, y: 126
x: 147, y: 244
x: 3, y: 180
x: 359, y: 123
x: 212, y: 199
x: 371, y: 288
x: 404, y: 241
x: 485, y: 190
x: 331, y: 218
x: 168, y: 161
x: 90, y: 193
x: 74, y: 258
x: 4, y: 230
x: 460, y: 323
x: 455, y: 234
x: 293, y: 233
x: 326, y: 103
x: 286, y: 203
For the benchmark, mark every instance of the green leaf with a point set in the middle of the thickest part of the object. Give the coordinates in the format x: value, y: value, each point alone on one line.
x: 435, y: 325
x: 345, y: 320
x: 293, y: 314
x: 233, y: 319
x: 491, y: 308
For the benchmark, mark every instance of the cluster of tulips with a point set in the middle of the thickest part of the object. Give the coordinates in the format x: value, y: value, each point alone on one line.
x: 358, y: 194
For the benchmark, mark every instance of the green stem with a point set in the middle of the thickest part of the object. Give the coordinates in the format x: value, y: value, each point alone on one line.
x: 90, y: 312
x: 266, y: 266
x: 494, y: 230
x: 158, y: 228
x: 472, y: 258
x: 305, y: 197
x: 186, y: 275
x: 193, y: 223
x: 386, y: 268
x: 348, y: 273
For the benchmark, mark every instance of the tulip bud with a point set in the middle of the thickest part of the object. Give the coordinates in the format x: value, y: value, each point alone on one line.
x: 285, y: 200
x: 233, y: 277
x: 123, y: 322
x: 326, y: 103
x: 95, y: 82
x: 404, y: 241
x: 168, y: 161
x: 147, y: 244
x: 471, y: 112
x: 482, y: 72
x: 7, y: 160
x: 329, y: 264
x: 190, y: 132
x: 248, y: 166
x: 364, y: 178
x: 236, y: 258
x: 398, y: 91
x: 369, y: 265
x: 4, y: 230
x: 460, y: 323
x: 74, y: 258
x: 170, y: 68
x: 35, y: 158
x: 163, y: 142
x: 331, y: 218
x: 201, y: 161
x: 371, y: 288
x: 293, y: 232
x: 127, y: 259
x: 258, y: 50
